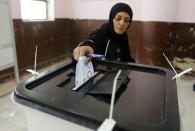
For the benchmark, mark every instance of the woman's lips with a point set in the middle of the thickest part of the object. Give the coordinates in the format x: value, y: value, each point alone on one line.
x: 121, y: 29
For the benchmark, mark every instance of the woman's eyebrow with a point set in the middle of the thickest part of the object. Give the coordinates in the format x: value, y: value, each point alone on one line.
x: 123, y: 17
x: 118, y: 15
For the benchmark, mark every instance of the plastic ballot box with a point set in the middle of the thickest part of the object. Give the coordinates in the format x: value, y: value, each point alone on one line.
x: 145, y: 99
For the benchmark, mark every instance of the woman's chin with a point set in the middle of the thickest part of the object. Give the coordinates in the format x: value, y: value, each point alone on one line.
x: 120, y: 33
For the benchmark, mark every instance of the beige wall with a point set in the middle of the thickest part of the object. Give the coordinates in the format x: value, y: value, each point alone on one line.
x: 144, y: 10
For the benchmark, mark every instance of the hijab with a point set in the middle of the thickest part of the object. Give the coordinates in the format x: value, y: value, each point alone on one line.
x: 109, y: 27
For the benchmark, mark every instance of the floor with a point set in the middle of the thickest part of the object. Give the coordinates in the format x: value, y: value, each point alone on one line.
x: 14, y: 119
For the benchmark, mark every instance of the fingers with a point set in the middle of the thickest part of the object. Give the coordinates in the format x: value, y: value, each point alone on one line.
x: 87, y: 60
x: 90, y: 51
x: 76, y: 53
x: 81, y: 51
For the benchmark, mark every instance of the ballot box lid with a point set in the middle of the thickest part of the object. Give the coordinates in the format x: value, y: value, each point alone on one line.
x: 146, y: 96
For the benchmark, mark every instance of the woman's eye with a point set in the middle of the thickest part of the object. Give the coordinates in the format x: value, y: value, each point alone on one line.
x: 118, y: 18
x: 127, y: 20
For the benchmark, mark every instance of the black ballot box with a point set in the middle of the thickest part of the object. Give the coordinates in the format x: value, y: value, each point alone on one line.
x: 146, y: 98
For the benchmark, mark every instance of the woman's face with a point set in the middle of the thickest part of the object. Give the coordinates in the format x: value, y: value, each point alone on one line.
x: 121, y: 22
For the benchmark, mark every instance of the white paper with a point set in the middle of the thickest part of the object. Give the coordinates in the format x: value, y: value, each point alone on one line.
x: 83, y: 72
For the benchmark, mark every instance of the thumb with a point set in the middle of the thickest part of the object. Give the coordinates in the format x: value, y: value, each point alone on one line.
x: 89, y: 50
x: 87, y: 60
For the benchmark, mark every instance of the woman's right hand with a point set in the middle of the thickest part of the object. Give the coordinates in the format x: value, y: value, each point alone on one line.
x: 81, y: 51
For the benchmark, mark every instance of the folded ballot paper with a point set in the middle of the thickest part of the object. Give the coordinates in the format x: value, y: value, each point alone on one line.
x: 83, y: 72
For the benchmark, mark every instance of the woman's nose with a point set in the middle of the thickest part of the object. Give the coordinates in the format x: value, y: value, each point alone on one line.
x: 121, y: 22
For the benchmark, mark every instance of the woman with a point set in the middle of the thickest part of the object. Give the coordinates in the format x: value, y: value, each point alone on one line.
x: 111, y: 38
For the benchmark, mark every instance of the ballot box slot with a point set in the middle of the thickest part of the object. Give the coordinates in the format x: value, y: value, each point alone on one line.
x: 90, y: 83
x: 71, y: 74
x: 67, y: 80
x: 49, y: 75
x: 107, y: 97
x: 87, y: 85
x: 104, y: 95
x: 102, y: 88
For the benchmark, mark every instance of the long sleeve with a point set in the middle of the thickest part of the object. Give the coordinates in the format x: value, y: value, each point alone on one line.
x: 118, y: 47
x: 98, y: 40
x: 127, y: 54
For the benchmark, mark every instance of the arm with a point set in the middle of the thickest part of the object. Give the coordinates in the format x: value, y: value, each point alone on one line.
x: 97, y: 40
x: 93, y: 43
x: 127, y: 54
